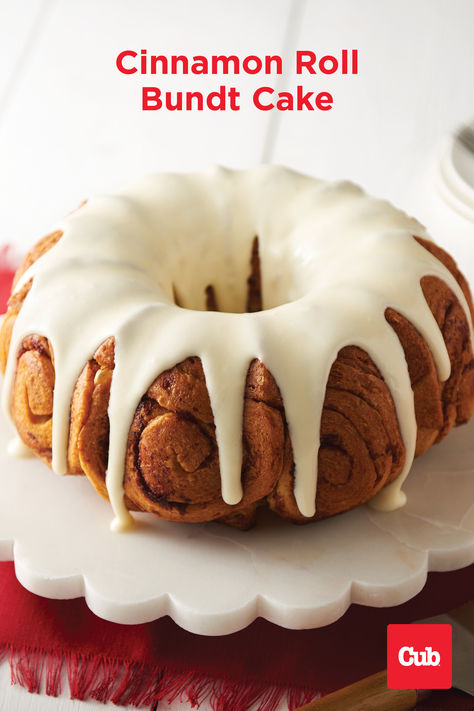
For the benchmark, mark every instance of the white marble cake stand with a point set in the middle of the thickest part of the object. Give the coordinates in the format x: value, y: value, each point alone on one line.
x: 214, y: 580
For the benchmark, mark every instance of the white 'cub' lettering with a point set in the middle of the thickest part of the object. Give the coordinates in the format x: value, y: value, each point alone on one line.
x: 426, y: 658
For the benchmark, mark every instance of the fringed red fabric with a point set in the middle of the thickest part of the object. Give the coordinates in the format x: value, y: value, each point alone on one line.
x: 140, y: 685
x: 7, y: 270
x: 53, y: 642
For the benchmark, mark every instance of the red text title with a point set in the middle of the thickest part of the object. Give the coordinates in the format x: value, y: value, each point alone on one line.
x: 222, y: 97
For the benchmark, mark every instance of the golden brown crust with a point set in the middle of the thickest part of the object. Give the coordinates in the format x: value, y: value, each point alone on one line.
x: 17, y: 298
x: 172, y: 467
x: 254, y: 282
x: 361, y: 447
x: 32, y: 396
x: 40, y: 248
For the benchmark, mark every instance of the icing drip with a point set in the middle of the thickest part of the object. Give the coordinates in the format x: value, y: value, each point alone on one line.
x: 332, y: 260
x: 17, y: 448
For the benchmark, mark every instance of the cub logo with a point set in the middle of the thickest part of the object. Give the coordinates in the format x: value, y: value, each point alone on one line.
x: 427, y: 658
x: 419, y: 656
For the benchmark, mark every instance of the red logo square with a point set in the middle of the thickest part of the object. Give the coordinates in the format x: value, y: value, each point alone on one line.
x: 419, y: 656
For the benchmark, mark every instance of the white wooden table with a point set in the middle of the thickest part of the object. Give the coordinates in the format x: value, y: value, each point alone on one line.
x: 72, y: 125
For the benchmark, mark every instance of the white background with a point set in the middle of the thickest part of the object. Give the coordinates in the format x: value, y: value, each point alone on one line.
x: 72, y: 125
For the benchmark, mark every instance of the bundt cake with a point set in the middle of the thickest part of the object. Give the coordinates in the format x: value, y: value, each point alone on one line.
x: 202, y: 345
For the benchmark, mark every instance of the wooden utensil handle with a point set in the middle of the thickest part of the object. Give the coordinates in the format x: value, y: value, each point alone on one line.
x: 370, y: 694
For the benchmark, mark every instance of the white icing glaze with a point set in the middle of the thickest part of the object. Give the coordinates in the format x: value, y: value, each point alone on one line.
x: 333, y: 259
x: 17, y: 448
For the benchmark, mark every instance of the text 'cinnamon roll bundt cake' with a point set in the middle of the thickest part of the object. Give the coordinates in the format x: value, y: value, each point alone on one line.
x: 201, y: 345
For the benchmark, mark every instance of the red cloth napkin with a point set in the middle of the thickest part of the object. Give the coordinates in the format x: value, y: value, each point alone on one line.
x: 142, y: 664
x: 6, y: 276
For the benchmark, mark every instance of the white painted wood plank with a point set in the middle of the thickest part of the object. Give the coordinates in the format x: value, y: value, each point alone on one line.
x: 19, y: 24
x: 415, y: 85
x: 76, y: 126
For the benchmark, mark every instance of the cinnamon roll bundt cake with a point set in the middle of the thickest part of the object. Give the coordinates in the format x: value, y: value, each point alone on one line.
x: 203, y: 345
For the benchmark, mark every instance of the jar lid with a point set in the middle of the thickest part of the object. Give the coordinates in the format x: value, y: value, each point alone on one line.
x: 456, y: 172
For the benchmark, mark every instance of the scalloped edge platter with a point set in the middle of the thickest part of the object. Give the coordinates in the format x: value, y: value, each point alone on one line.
x: 214, y: 580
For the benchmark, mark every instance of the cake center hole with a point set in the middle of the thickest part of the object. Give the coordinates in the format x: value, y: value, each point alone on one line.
x: 253, y: 301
